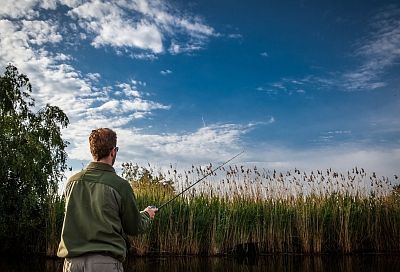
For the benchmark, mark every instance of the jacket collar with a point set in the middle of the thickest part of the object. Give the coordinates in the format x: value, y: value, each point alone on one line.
x: 101, y: 166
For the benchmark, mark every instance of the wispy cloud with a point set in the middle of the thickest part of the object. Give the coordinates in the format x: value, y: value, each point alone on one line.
x: 341, y: 157
x: 333, y: 137
x: 373, y: 56
x: 379, y: 51
x: 177, y: 48
x: 141, y: 105
x: 260, y: 88
x: 264, y: 54
x: 235, y: 36
x: 289, y: 86
x: 206, y: 144
x: 166, y: 72
x: 144, y: 56
x: 271, y: 120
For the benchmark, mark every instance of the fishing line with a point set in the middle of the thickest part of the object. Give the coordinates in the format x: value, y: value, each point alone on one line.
x: 211, y: 172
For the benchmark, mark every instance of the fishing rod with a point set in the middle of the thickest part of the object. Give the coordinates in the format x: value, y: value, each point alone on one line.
x: 212, y: 171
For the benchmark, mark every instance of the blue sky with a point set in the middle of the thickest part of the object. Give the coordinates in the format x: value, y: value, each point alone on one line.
x: 306, y: 84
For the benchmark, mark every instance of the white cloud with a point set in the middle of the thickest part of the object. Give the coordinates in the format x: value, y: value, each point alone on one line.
x: 166, y: 17
x: 40, y: 32
x: 139, y: 114
x: 235, y: 36
x: 71, y: 3
x: 195, y: 28
x: 379, y: 51
x: 139, y: 104
x: 339, y: 132
x: 129, y: 90
x: 61, y: 57
x: 166, y: 72
x: 341, y: 158
x: 93, y: 76
x: 138, y: 82
x: 111, y: 105
x: 106, y: 20
x: 144, y: 56
x: 211, y: 143
x: 48, y: 4
x: 291, y: 86
x: 264, y: 54
x: 58, y: 83
x: 54, y: 82
x: 117, y: 33
x: 218, y: 142
x: 183, y: 150
x: 18, y: 9
x: 206, y: 144
x: 122, y: 24
x: 140, y: 24
x: 176, y: 48
x: 376, y: 53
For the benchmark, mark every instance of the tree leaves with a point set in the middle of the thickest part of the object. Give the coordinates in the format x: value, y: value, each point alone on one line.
x: 32, y: 160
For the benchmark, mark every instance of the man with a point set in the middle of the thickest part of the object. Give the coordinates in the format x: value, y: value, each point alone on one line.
x: 100, y: 211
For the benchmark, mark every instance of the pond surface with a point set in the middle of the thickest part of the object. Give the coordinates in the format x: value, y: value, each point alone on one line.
x: 286, y: 263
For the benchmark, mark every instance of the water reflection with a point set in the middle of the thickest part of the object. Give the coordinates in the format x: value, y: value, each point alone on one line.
x: 285, y: 263
x: 29, y: 263
x: 270, y: 263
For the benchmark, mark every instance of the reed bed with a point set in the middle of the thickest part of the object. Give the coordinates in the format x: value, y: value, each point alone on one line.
x: 246, y: 210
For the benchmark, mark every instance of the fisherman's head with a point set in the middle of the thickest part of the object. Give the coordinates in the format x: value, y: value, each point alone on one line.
x: 103, y: 143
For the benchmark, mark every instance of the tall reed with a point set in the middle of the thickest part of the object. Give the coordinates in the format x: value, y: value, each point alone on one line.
x: 291, y: 212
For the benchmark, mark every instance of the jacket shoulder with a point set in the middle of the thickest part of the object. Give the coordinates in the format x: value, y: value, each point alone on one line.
x: 76, y: 176
x: 118, y: 183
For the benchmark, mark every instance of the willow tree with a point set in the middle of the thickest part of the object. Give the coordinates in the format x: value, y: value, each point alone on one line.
x: 32, y: 163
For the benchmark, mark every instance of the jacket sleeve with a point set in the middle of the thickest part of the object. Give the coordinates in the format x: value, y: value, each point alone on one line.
x: 133, y: 221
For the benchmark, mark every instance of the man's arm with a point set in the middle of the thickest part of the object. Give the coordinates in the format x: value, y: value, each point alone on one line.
x: 133, y: 221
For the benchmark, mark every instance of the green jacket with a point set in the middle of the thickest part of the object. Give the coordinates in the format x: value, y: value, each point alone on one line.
x: 100, y: 211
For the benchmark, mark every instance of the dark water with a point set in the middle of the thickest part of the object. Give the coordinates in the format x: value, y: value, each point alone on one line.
x: 286, y: 263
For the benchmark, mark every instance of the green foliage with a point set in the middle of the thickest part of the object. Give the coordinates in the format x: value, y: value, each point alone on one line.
x: 32, y: 163
x: 145, y: 182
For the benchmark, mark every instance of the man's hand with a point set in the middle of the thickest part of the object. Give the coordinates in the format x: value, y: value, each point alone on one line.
x: 151, y: 210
